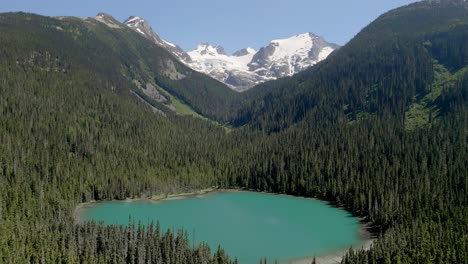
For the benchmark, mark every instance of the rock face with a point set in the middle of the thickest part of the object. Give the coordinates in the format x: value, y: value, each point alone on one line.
x: 247, y: 67
x: 141, y: 26
x: 285, y: 57
x: 232, y: 70
x: 108, y: 20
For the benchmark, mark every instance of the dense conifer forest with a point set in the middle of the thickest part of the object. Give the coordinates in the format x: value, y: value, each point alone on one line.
x: 379, y: 128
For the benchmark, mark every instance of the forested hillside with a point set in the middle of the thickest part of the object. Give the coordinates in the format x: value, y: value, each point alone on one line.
x: 406, y: 55
x: 116, y: 57
x: 64, y: 141
x: 380, y: 128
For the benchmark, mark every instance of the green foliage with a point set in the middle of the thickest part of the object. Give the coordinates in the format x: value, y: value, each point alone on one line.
x: 65, y: 141
x: 117, y: 57
x: 383, y: 71
x: 71, y: 132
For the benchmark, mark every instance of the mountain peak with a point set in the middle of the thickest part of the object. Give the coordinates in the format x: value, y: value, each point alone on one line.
x: 107, y: 19
x: 247, y: 67
x: 206, y: 49
x: 285, y: 57
x: 304, y: 35
x: 302, y: 38
x: 141, y: 26
x: 132, y: 18
x: 135, y: 21
x: 244, y: 52
x: 103, y: 15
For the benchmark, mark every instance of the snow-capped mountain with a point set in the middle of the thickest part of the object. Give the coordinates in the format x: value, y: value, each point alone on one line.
x: 141, y: 26
x: 232, y: 70
x: 286, y: 57
x: 247, y: 67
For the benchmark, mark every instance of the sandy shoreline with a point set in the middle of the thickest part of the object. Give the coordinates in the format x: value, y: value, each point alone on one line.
x: 331, y: 258
x: 336, y: 256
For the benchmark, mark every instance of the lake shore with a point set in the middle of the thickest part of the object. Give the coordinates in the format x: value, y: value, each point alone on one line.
x: 365, y: 234
x: 153, y: 199
x: 335, y: 257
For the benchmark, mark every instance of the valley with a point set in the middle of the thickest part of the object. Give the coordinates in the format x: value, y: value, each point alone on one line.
x: 95, y: 112
x: 247, y: 67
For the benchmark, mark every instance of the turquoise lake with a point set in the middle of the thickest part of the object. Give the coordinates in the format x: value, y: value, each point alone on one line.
x: 247, y: 225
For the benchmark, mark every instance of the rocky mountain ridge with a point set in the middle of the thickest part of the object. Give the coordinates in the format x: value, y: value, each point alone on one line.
x: 247, y: 67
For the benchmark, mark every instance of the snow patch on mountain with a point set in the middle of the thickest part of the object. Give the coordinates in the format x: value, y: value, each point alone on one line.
x: 207, y: 57
x: 298, y: 45
x: 246, y: 68
x: 324, y: 53
x: 212, y: 60
x: 169, y: 43
x: 141, y: 26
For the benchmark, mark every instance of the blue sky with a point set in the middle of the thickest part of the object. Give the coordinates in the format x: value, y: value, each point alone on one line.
x: 231, y: 24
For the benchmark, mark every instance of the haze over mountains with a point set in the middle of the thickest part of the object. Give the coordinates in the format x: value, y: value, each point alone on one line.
x: 247, y: 67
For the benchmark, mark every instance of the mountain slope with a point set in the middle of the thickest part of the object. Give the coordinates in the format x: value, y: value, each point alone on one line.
x: 120, y: 58
x: 384, y: 70
x: 71, y: 132
x: 247, y: 67
x: 141, y: 26
x: 286, y: 57
x: 230, y: 69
